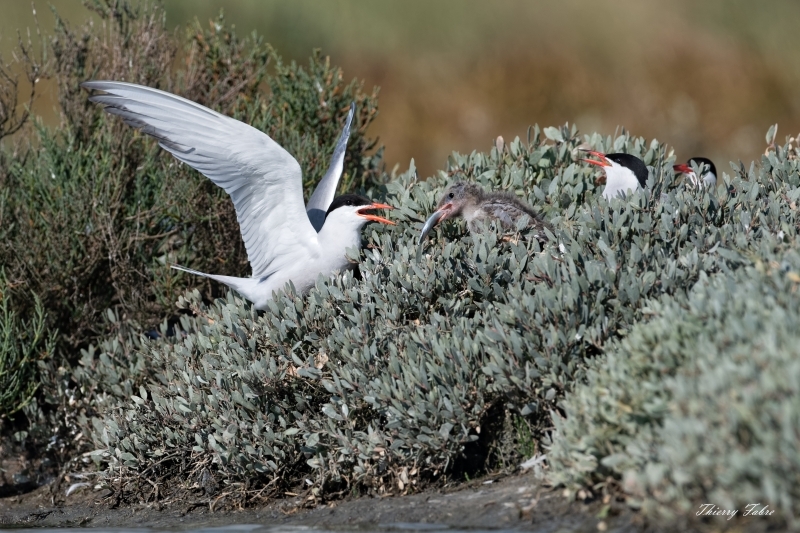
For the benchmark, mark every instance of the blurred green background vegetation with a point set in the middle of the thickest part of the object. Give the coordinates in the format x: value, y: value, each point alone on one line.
x: 706, y: 77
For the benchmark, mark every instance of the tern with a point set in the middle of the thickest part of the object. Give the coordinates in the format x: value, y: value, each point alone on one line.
x: 708, y: 171
x: 476, y: 206
x: 286, y: 241
x: 623, y: 172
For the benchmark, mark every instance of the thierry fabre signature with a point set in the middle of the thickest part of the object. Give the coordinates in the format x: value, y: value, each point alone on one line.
x: 751, y: 509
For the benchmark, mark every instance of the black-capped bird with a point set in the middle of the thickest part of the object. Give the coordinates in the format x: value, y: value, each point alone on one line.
x: 624, y: 172
x: 708, y: 171
x: 286, y: 240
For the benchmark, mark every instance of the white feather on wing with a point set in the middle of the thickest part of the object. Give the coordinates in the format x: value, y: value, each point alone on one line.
x: 263, y: 180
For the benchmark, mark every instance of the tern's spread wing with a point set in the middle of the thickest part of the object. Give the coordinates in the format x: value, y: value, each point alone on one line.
x: 263, y: 180
x: 323, y: 195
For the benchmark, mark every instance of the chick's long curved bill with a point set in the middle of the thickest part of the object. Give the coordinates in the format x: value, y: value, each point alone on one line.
x: 430, y: 223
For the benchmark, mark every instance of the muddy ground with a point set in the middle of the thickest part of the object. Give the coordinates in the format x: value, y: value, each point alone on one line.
x: 33, y: 495
x: 517, y: 502
x: 512, y: 502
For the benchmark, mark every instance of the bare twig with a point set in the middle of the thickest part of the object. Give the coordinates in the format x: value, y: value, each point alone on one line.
x: 35, y: 68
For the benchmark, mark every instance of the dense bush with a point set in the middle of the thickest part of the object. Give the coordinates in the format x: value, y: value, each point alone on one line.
x: 402, y: 374
x: 699, y: 404
x: 92, y: 212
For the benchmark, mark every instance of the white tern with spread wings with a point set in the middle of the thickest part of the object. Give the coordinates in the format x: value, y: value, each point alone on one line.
x: 286, y: 241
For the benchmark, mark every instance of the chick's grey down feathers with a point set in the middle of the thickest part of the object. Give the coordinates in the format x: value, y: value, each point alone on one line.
x: 476, y: 206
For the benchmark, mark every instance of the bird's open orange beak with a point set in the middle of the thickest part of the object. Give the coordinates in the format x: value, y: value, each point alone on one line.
x: 686, y: 169
x: 375, y: 218
x: 604, y: 162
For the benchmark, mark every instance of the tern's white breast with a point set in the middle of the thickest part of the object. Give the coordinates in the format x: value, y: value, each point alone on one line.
x: 619, y: 180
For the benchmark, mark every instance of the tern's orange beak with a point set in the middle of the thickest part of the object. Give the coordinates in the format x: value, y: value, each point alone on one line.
x: 375, y: 218
x: 686, y: 169
x: 604, y: 162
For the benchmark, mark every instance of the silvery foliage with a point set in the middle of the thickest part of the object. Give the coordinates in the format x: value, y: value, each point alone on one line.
x: 388, y: 378
x: 701, y: 403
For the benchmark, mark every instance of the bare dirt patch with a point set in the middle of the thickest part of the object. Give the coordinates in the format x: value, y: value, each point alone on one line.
x: 514, y: 502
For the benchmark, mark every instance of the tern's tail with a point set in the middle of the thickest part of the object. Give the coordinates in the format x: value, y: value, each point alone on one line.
x: 239, y: 284
x: 190, y: 271
x: 251, y: 288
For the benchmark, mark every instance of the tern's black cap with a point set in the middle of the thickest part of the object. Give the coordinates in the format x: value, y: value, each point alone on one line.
x: 632, y: 162
x: 700, y: 161
x: 352, y: 200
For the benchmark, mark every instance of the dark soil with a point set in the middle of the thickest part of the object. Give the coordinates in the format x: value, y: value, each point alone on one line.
x: 513, y: 502
x: 31, y: 495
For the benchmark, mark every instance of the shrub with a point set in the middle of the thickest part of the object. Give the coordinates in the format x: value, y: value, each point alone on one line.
x: 400, y: 376
x: 92, y: 212
x: 701, y: 403
x: 22, y: 345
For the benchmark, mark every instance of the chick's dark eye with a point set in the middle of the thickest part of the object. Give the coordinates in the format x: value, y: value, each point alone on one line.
x: 451, y: 195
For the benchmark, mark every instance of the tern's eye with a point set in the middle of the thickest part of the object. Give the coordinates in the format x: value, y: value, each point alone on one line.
x: 451, y: 195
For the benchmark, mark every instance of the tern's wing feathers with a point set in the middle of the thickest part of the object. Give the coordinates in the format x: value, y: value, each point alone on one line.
x: 323, y: 195
x: 263, y: 180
